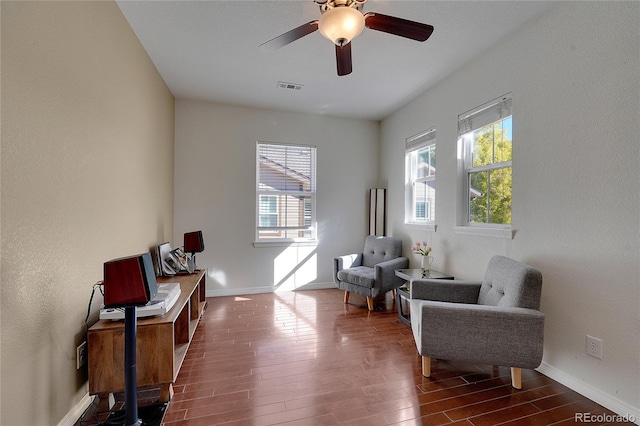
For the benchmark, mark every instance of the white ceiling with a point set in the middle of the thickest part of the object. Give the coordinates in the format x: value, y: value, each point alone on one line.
x: 208, y: 50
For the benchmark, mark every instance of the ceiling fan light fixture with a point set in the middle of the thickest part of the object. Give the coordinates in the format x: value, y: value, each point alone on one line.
x: 341, y: 24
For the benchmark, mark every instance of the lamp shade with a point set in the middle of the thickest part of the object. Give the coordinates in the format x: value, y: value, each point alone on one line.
x: 341, y: 24
x: 193, y: 242
x: 129, y: 281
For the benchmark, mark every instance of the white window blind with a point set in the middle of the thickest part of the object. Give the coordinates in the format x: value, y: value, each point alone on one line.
x: 484, y: 115
x: 286, y: 187
x: 425, y: 138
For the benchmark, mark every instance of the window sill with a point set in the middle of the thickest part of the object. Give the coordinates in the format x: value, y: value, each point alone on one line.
x: 285, y: 243
x: 506, y: 233
x: 431, y: 227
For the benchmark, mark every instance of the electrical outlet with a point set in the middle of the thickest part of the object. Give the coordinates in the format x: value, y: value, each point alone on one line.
x: 81, y: 355
x: 594, y: 347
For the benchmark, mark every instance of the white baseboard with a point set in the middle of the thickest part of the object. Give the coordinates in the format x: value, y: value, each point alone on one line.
x: 77, y: 410
x: 317, y: 286
x: 629, y: 412
x: 266, y: 289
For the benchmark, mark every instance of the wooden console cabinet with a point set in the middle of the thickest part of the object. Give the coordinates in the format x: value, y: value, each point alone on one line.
x: 161, y: 342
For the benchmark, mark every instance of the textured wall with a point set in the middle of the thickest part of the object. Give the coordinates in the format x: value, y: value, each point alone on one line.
x: 87, y: 175
x: 575, y: 78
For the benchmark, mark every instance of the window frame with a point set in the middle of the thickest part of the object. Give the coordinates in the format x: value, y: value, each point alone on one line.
x: 469, y: 122
x: 266, y: 236
x: 413, y: 145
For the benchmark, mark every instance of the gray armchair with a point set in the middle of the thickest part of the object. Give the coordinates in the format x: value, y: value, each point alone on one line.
x: 496, y: 321
x: 371, y: 272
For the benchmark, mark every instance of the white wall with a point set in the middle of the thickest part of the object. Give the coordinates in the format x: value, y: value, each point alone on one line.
x: 87, y: 176
x: 575, y: 79
x: 215, y: 178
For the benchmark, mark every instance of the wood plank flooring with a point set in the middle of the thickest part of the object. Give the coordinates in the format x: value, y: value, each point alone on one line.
x: 306, y: 358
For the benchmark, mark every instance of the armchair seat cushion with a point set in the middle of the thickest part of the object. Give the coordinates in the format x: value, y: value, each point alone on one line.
x: 359, y: 275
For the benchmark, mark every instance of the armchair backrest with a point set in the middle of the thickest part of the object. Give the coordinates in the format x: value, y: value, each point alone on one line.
x: 378, y: 249
x: 510, y: 283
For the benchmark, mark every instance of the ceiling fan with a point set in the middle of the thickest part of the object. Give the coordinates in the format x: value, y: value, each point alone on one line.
x: 341, y: 21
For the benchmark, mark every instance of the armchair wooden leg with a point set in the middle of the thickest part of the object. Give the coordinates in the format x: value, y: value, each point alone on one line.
x: 516, y: 377
x: 426, y: 366
x: 370, y: 303
x: 346, y: 297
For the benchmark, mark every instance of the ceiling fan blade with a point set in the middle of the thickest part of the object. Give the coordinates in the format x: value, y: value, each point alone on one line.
x: 398, y: 26
x: 289, y: 36
x: 343, y: 59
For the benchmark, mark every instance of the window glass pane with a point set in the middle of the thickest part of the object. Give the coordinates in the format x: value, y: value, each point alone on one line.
x: 492, y: 143
x: 268, y: 204
x: 478, y: 200
x: 426, y: 162
x: 307, y: 212
x: 482, y: 146
x: 292, y: 211
x: 286, y: 168
x: 421, y: 210
x: 503, y: 144
x: 424, y: 200
x: 490, y: 196
x: 268, y: 220
x: 268, y: 209
x: 500, y: 196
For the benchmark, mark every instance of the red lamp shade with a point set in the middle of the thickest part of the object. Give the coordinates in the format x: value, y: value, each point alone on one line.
x: 193, y: 242
x: 129, y: 281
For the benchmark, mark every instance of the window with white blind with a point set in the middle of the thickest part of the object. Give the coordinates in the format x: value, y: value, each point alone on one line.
x: 285, y: 192
x: 420, y: 181
x: 486, y: 141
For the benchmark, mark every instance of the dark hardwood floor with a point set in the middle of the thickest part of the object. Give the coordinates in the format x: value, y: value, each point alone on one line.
x: 306, y: 358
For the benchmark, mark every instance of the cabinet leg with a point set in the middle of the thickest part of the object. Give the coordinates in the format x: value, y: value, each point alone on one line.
x: 166, y: 392
x: 106, y: 401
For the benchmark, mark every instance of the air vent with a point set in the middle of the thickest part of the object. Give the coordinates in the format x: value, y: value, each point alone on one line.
x: 289, y: 86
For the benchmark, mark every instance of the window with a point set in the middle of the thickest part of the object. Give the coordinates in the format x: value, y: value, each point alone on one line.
x: 420, y: 188
x: 486, y: 140
x: 285, y: 192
